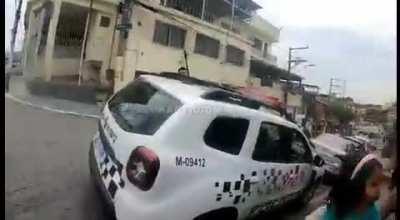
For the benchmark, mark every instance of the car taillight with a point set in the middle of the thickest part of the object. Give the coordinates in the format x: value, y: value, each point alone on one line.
x: 142, y: 168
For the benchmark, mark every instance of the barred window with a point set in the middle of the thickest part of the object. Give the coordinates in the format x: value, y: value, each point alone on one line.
x: 206, y: 46
x: 234, y: 55
x: 169, y: 35
x: 70, y: 31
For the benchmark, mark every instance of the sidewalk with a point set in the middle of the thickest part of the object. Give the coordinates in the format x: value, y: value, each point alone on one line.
x: 19, y: 92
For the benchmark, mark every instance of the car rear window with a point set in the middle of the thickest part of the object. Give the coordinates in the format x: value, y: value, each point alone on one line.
x: 227, y: 134
x: 141, y: 108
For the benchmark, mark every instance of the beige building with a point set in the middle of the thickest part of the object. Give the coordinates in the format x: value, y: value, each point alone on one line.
x: 54, y: 34
x: 223, y: 40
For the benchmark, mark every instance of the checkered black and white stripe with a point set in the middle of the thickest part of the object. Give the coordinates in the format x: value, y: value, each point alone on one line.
x: 111, y: 172
x: 272, y: 180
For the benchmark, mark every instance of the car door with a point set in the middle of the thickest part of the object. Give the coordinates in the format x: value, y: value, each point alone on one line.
x: 270, y: 160
x: 283, y: 158
x: 301, y: 158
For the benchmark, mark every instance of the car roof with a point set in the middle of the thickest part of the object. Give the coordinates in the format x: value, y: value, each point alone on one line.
x: 187, y: 92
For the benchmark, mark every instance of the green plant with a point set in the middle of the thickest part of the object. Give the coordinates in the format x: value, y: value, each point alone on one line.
x: 341, y: 112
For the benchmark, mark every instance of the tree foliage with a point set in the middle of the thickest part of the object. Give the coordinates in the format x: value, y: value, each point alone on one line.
x: 341, y: 112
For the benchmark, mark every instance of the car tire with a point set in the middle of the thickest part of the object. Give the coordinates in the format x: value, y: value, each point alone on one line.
x: 229, y: 213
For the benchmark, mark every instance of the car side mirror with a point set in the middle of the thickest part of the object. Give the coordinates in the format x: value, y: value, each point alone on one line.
x: 318, y: 161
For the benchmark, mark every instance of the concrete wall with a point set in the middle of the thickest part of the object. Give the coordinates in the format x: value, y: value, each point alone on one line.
x: 65, y: 66
x: 100, y: 38
x: 145, y: 55
x: 34, y: 64
x: 50, y: 40
x: 46, y: 66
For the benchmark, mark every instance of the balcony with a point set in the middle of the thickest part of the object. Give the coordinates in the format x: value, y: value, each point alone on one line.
x: 265, y: 56
x: 228, y: 14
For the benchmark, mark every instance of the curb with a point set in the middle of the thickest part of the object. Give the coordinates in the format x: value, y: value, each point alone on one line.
x: 23, y: 102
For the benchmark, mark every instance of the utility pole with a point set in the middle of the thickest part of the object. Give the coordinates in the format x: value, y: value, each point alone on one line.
x: 290, y: 61
x: 14, y: 32
x: 84, y: 42
x: 337, y: 87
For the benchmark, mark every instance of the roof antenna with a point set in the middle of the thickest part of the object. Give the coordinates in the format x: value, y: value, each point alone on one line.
x: 186, y: 62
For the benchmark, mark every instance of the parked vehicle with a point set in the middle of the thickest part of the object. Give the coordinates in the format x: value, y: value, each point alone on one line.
x: 332, y: 165
x: 185, y: 149
x: 361, y: 144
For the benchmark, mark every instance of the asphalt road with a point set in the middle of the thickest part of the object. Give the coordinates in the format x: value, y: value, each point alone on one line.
x: 46, y: 167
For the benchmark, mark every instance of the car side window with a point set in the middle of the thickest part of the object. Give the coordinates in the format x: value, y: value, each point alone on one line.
x: 299, y: 151
x: 268, y: 147
x: 227, y: 134
x: 276, y: 143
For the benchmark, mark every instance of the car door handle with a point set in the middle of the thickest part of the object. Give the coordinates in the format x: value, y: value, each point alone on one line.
x: 254, y: 180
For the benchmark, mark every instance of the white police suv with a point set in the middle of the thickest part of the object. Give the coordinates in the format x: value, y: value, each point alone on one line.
x: 170, y: 148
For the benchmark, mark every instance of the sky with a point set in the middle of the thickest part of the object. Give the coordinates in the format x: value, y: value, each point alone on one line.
x: 353, y: 40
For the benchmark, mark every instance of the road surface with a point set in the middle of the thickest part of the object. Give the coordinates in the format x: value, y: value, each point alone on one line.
x: 46, y: 166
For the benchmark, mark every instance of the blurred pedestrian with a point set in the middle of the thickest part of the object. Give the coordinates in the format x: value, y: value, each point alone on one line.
x: 354, y: 195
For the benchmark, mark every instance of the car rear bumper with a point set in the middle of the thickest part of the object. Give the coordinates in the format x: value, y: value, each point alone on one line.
x: 96, y: 177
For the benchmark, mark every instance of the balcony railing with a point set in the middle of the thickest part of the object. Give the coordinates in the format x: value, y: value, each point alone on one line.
x: 222, y: 18
x: 267, y: 57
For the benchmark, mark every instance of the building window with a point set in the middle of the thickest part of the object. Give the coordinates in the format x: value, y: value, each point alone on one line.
x: 267, y: 81
x: 257, y: 44
x: 104, y: 21
x: 265, y: 53
x: 234, y: 55
x: 206, y: 46
x: 169, y: 35
x: 70, y: 31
